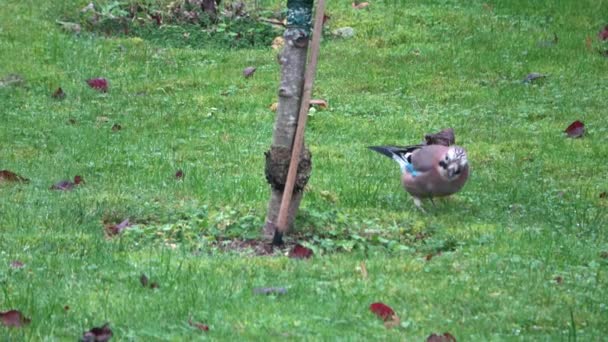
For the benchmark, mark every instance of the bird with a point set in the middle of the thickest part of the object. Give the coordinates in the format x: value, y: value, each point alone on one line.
x: 429, y: 171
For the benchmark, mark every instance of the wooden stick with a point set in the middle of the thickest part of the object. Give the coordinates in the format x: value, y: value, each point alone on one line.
x: 309, y: 78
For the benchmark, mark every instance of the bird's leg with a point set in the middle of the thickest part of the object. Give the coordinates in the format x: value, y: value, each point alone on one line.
x: 433, y: 202
x: 418, y: 204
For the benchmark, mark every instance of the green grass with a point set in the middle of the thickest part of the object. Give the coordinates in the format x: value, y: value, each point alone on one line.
x: 531, y: 211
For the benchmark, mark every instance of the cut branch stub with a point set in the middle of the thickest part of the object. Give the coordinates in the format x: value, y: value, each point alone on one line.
x: 277, y: 166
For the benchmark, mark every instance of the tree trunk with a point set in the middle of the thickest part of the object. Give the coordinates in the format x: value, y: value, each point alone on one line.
x: 293, y: 65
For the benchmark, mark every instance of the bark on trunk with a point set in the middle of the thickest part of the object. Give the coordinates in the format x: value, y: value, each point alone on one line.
x: 293, y: 64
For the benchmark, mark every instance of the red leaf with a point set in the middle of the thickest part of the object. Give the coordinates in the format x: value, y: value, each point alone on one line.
x: 17, y: 264
x: 116, y: 229
x: 179, y: 175
x: 603, y: 34
x: 248, y: 71
x: 575, y: 130
x: 300, y: 252
x: 14, y: 318
x: 200, y: 326
x: 446, y: 337
x: 58, y: 94
x: 98, y: 334
x: 382, y: 310
x: 78, y: 180
x: 9, y: 176
x: 100, y: 84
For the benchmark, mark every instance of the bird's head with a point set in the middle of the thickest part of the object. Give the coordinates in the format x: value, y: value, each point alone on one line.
x: 453, y: 163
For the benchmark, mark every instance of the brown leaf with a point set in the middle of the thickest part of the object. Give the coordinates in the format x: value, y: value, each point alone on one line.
x: 318, y: 103
x: 603, y: 194
x: 363, y: 269
x: 326, y: 18
x: 300, y: 252
x: 59, y: 94
x: 589, y: 43
x: 17, y: 264
x: 559, y: 280
x: 360, y: 5
x: 278, y: 43
x: 14, y: 318
x: 445, y: 137
x: 7, y: 176
x: 179, y: 175
x: 72, y: 121
x: 98, y: 334
x: 274, y: 106
x: 199, y: 326
x: 446, y: 337
x: 392, y: 321
x: 575, y: 130
x: 116, y: 127
x: 248, y: 71
x: 116, y: 229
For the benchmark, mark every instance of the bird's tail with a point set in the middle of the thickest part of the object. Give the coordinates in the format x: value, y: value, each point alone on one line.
x: 402, y: 155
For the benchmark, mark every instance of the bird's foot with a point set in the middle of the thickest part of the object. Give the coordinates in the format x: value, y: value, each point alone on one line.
x: 418, y: 204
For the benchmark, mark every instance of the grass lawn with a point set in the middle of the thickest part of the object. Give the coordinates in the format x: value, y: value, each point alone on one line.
x: 520, y: 254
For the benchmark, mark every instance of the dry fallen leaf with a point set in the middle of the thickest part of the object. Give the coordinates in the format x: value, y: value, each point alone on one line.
x: 7, y: 176
x: 248, y: 71
x: 360, y: 5
x: 116, y: 127
x: 274, y: 106
x: 278, y: 43
x: 14, y: 318
x: 575, y: 130
x: 115, y: 229
x: 17, y: 264
x: 98, y: 334
x: 363, y: 269
x: 58, y: 94
x: 179, y: 175
x: 446, y: 337
x: 319, y: 103
x: 199, y: 326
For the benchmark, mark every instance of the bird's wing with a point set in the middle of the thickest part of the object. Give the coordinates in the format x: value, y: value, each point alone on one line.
x: 426, y: 157
x: 401, y: 154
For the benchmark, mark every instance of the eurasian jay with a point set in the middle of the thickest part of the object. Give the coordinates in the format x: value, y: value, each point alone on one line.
x: 429, y: 170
